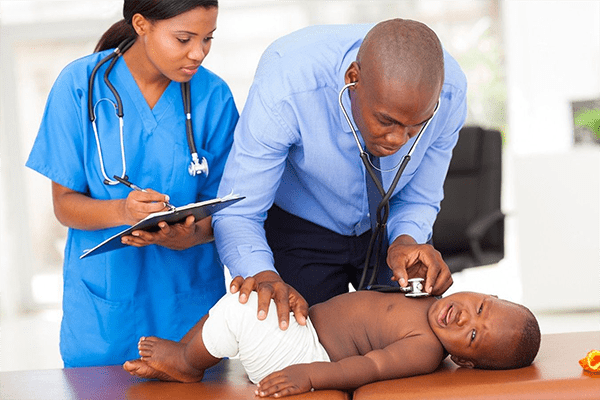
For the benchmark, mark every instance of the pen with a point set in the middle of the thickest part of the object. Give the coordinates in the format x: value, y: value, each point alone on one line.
x: 126, y: 182
x: 136, y: 187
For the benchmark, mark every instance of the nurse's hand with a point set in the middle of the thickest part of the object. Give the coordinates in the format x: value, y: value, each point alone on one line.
x: 408, y: 260
x: 269, y: 285
x: 138, y: 205
x: 175, y: 237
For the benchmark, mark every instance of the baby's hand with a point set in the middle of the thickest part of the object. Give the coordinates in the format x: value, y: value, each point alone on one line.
x: 290, y: 380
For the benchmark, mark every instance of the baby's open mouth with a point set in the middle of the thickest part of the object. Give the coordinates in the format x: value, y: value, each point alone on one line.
x: 446, y: 315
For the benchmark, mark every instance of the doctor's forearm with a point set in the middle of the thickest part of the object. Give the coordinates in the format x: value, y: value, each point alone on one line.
x: 242, y: 245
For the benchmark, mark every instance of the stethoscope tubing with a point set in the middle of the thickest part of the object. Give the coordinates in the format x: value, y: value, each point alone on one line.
x: 113, y: 57
x: 197, y: 166
x: 107, y: 180
x: 187, y: 109
x: 118, y: 52
x: 383, y: 208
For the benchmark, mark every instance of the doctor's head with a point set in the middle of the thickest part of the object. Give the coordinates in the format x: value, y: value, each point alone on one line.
x: 172, y: 36
x: 398, y: 75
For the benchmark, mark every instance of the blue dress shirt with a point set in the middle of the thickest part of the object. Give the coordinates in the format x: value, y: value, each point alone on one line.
x: 293, y: 146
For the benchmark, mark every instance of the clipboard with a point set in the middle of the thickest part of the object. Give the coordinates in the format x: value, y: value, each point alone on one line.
x: 199, y: 210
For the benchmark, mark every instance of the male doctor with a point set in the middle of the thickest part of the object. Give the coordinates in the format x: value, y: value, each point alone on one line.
x: 301, y: 234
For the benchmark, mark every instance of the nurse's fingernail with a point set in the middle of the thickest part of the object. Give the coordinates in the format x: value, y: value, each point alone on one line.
x: 262, y: 314
x: 135, y: 234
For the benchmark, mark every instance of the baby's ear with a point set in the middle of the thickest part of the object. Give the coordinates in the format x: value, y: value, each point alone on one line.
x: 462, y: 362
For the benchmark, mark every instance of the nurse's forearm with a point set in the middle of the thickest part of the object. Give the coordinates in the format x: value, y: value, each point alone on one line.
x: 78, y: 211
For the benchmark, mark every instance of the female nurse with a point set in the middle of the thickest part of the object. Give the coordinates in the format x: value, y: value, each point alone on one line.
x: 161, y: 282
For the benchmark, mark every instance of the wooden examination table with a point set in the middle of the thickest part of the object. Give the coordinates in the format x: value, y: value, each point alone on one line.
x: 226, y: 380
x: 556, y: 374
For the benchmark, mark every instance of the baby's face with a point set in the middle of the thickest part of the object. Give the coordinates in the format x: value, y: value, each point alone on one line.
x: 474, y: 327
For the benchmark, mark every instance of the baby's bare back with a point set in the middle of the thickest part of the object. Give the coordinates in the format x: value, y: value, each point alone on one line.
x: 359, y: 322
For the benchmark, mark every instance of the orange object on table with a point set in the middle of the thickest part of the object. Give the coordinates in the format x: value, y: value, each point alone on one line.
x: 591, y: 362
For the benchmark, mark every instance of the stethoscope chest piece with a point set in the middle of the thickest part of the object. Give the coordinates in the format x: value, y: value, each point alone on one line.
x: 415, y: 288
x: 198, y: 166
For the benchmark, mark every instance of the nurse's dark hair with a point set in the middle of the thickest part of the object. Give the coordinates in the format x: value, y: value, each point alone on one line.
x: 153, y: 10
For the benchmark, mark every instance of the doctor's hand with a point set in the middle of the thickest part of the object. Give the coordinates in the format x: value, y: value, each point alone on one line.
x: 269, y: 285
x: 408, y: 260
x: 175, y: 237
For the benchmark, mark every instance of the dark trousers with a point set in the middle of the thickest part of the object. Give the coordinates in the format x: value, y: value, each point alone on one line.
x: 316, y: 261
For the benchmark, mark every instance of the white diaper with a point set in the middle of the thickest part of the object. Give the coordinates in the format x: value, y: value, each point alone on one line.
x: 233, y: 329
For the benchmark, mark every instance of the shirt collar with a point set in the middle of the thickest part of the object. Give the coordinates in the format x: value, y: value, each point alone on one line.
x: 346, y: 61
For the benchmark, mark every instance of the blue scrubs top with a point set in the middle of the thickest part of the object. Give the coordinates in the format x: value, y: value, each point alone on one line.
x: 112, y: 299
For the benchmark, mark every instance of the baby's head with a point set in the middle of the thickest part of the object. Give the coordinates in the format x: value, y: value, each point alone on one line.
x: 482, y: 331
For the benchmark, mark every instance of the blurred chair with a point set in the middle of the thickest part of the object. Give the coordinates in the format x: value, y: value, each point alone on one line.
x: 469, y: 229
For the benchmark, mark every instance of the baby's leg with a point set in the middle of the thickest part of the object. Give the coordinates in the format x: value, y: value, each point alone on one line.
x: 168, y: 360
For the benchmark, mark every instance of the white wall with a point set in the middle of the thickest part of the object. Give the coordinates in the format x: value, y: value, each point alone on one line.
x: 553, y: 58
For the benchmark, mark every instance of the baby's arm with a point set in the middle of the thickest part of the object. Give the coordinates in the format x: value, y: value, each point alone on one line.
x: 414, y: 355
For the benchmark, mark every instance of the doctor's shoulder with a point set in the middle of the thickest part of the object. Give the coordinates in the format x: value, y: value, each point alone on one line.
x: 454, y: 78
x: 307, y: 59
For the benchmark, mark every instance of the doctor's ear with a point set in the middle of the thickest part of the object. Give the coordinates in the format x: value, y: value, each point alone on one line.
x: 352, y: 73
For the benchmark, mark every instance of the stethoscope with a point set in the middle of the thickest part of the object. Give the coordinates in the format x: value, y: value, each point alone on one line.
x: 196, y: 166
x: 383, y: 209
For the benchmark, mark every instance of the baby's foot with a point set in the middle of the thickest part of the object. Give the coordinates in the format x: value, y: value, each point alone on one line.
x: 143, y: 370
x: 167, y: 356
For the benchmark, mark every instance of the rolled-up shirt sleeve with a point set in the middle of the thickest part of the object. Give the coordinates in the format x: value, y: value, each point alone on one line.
x: 254, y: 169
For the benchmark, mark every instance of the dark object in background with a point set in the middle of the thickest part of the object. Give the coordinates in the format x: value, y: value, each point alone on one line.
x: 469, y: 229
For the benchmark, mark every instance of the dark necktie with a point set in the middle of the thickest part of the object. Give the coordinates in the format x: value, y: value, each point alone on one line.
x: 372, y: 192
x: 375, y: 198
